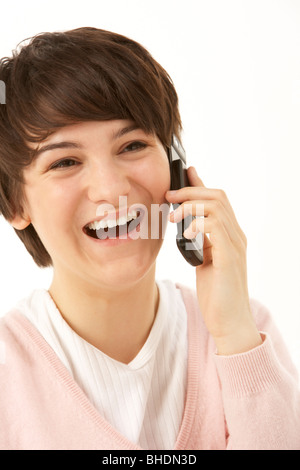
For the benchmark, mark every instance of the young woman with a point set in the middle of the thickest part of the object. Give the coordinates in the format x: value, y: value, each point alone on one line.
x: 108, y: 357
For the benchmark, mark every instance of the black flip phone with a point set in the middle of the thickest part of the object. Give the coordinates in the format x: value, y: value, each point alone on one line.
x: 191, y: 250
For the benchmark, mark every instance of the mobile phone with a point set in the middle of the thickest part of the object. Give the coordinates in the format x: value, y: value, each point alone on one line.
x: 191, y: 250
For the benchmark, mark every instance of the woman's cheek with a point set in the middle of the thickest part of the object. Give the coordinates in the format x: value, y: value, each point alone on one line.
x: 159, y: 181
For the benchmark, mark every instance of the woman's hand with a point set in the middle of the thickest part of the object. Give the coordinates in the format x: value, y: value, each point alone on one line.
x: 222, y: 278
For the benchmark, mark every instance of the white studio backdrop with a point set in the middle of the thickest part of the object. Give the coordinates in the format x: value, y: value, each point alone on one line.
x: 235, y: 65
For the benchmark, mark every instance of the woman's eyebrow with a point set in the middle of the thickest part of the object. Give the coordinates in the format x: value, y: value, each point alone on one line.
x: 67, y: 145
x: 54, y: 146
x: 125, y: 130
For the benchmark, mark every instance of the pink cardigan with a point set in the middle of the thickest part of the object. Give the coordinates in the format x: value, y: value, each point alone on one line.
x: 245, y: 401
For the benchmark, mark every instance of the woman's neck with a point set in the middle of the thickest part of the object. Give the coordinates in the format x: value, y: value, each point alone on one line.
x: 116, y: 321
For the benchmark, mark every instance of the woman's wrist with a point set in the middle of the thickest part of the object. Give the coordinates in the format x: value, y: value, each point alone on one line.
x: 241, y: 340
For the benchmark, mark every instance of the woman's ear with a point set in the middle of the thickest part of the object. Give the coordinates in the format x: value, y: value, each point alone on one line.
x: 20, y: 222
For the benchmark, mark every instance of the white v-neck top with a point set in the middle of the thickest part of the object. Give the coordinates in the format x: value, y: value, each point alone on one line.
x: 143, y: 400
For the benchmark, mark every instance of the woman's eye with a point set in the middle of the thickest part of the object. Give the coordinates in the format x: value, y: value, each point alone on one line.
x: 65, y: 163
x: 133, y: 146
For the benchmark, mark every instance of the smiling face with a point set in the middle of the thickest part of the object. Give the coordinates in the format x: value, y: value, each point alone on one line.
x: 78, y: 171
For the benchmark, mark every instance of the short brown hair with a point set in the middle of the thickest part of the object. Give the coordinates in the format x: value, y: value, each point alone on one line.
x: 61, y: 78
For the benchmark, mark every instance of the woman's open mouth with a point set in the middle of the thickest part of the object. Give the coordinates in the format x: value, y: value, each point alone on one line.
x: 112, y: 227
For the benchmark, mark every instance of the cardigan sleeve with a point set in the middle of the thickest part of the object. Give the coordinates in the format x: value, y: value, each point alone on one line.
x: 260, y: 392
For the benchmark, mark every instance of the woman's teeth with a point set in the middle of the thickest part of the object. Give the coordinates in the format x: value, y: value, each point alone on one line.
x: 110, y: 223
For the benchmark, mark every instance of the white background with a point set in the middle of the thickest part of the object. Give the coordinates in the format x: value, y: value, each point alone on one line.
x: 236, y: 68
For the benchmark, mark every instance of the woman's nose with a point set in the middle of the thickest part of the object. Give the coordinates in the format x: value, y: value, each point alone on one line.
x: 107, y: 181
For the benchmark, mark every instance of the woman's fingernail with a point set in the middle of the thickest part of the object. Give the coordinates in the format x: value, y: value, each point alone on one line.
x: 189, y: 233
x: 194, y: 228
x: 176, y: 215
x: 172, y: 192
